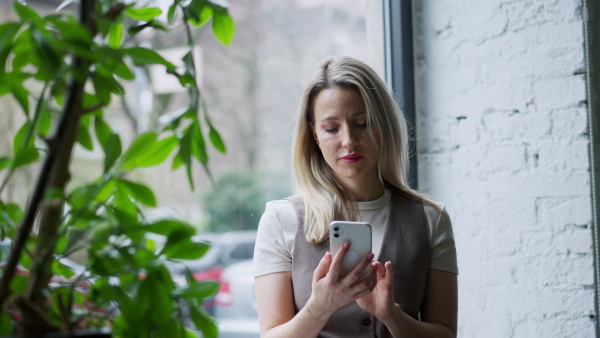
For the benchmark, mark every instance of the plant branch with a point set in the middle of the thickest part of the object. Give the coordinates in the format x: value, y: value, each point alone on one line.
x: 52, y: 175
x: 91, y: 108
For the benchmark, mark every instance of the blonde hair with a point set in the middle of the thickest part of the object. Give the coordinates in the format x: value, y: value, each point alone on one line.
x: 324, y: 198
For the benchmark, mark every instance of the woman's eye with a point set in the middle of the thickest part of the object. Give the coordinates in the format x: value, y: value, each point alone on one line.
x: 363, y: 125
x: 330, y: 130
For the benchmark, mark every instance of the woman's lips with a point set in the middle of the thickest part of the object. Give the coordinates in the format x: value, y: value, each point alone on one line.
x: 351, y: 158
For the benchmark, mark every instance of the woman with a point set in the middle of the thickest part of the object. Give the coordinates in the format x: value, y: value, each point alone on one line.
x: 350, y: 162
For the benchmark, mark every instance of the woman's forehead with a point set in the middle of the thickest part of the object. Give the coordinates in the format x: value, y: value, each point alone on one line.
x: 335, y: 103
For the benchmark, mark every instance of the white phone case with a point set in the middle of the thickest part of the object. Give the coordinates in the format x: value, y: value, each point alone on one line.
x: 359, y: 236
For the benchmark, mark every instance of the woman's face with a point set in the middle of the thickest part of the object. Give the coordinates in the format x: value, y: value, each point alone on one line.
x: 341, y: 129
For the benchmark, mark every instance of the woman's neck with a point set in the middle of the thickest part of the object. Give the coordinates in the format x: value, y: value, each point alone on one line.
x: 365, y: 192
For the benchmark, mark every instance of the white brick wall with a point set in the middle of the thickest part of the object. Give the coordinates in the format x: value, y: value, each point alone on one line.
x: 502, y: 140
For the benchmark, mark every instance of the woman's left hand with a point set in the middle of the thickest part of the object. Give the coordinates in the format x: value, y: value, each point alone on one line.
x: 380, y: 302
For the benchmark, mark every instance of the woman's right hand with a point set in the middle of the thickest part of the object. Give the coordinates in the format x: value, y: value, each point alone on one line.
x: 330, y: 291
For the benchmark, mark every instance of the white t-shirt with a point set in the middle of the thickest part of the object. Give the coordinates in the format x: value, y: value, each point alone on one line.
x: 277, y: 230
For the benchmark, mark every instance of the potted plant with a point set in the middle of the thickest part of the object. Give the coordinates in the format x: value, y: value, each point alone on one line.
x: 64, y: 70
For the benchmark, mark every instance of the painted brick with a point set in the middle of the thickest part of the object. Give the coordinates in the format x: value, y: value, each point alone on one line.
x: 502, y: 140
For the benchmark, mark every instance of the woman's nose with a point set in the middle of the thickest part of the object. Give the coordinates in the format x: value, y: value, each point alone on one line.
x: 349, y: 137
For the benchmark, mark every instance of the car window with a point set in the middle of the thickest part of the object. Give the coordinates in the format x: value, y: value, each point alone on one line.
x: 243, y: 251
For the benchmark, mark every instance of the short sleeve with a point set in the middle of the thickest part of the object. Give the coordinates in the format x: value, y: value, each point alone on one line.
x: 441, y: 240
x: 272, y: 252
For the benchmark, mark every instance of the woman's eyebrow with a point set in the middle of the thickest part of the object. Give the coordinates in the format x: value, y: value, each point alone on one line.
x: 332, y: 118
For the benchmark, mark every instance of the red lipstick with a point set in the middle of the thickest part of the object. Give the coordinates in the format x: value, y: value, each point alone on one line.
x: 352, y: 158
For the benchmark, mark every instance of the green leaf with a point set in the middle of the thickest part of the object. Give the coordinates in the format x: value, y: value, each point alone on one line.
x: 140, y: 192
x: 188, y: 60
x: 103, y: 132
x: 186, y: 80
x: 143, y: 257
x: 102, y: 289
x: 61, y: 245
x: 82, y: 50
x: 79, y: 195
x: 223, y: 27
x: 169, y: 227
x: 113, y: 151
x: 115, y: 36
x: 51, y: 58
x: 162, y: 150
x: 44, y: 122
x: 172, y: 11
x: 19, y: 283
x: 185, y: 151
x: 177, y: 161
x: 143, y: 145
x: 60, y: 269
x: 7, y: 34
x: 102, y: 91
x: 125, y: 218
x: 180, y: 246
x: 122, y: 71
x: 26, y: 13
x: 144, y: 56
x: 5, y: 162
x: 204, y: 322
x: 14, y: 212
x: 73, y: 31
x: 25, y: 156
x: 90, y: 102
x: 21, y: 96
x: 124, y: 203
x: 154, y: 299
x: 19, y: 140
x: 6, y: 325
x: 142, y: 14
x: 216, y: 140
x: 198, y: 144
x: 105, y: 84
x: 84, y: 138
x: 184, y: 249
x: 198, y: 13
x: 106, y: 192
x: 199, y: 290
x: 107, y: 266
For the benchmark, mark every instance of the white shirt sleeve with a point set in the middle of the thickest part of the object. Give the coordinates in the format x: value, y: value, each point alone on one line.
x: 441, y: 239
x: 275, y: 239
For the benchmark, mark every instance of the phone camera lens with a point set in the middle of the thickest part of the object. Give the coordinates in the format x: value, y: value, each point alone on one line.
x: 336, y: 235
x: 336, y: 229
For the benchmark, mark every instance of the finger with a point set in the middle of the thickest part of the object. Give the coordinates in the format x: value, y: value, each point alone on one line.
x: 372, y: 283
x: 380, y: 271
x: 389, y: 275
x: 338, y: 258
x: 321, y: 270
x: 364, y: 263
x: 359, y: 270
x: 369, y: 281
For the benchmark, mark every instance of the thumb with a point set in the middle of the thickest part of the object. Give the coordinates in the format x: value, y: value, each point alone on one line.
x: 322, y: 268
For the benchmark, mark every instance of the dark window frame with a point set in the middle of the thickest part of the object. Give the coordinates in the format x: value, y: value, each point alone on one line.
x: 399, y: 64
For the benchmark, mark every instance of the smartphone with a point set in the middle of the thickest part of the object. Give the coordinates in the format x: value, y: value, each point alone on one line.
x: 359, y: 236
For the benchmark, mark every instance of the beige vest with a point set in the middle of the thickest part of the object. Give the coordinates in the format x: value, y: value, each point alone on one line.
x: 405, y: 244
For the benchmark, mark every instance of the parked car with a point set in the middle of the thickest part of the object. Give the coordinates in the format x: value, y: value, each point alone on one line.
x: 235, y: 303
x: 226, y: 249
